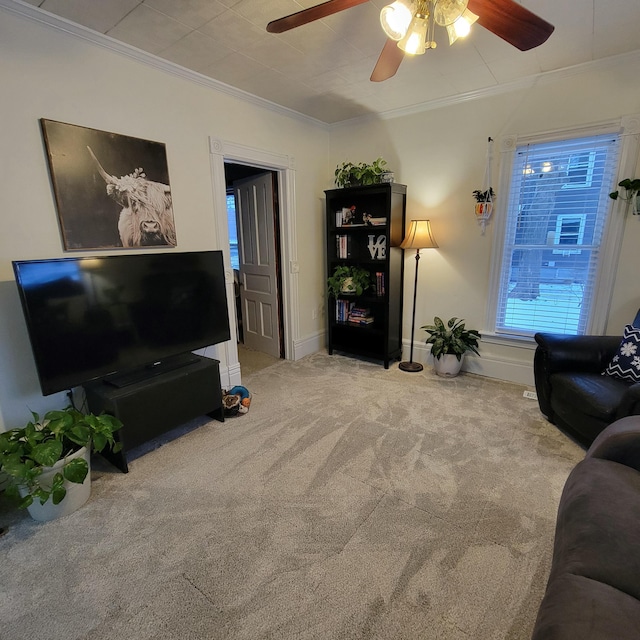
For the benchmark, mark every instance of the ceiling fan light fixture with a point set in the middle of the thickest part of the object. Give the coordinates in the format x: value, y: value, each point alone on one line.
x: 395, y: 19
x: 415, y: 40
x: 461, y: 27
x: 446, y: 12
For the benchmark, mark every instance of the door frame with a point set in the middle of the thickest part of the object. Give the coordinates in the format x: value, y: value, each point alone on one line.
x: 222, y: 151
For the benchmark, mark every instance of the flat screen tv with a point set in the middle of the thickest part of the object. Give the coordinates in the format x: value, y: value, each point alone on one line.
x: 93, y: 317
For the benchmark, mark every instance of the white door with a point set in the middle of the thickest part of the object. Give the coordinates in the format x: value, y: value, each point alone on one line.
x: 258, y: 267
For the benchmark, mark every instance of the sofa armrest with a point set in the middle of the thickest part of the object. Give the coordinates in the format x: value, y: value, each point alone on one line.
x: 556, y: 353
x: 590, y: 354
x: 619, y: 442
x: 630, y: 404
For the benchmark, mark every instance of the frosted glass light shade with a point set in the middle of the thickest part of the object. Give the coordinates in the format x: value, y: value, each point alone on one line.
x: 415, y: 40
x: 448, y: 11
x: 395, y: 19
x: 461, y: 26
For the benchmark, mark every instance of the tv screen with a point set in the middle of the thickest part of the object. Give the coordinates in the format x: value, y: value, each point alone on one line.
x: 89, y: 318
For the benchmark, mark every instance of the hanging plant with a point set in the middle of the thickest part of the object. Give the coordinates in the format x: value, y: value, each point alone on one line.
x: 484, y: 204
x: 631, y: 188
x: 485, y: 196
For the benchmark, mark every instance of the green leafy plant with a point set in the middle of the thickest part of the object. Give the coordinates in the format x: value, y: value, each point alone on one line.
x: 452, y: 338
x: 484, y: 196
x: 356, y: 279
x: 26, y: 451
x: 631, y: 187
x: 349, y: 174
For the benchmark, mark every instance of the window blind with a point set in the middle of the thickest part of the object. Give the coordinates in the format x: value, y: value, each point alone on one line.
x: 556, y: 214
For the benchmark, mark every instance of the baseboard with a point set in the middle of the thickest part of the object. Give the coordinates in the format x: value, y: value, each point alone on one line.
x: 230, y: 375
x: 489, y: 366
x: 311, y: 344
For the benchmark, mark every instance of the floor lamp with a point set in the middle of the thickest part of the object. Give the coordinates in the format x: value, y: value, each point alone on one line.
x: 418, y: 237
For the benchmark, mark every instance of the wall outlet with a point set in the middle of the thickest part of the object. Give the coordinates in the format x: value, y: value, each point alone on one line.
x: 532, y: 395
x: 314, y: 313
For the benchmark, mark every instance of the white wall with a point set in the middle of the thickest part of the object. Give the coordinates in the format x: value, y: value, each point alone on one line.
x: 440, y: 154
x: 46, y: 73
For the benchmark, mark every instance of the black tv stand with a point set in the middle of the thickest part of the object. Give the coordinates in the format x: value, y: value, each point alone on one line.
x: 158, y: 402
x: 141, y: 374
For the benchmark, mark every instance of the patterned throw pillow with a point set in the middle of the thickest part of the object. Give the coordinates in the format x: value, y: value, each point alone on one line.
x: 626, y: 363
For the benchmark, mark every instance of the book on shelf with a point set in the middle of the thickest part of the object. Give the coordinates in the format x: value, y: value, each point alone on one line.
x: 343, y: 307
x: 343, y: 246
x: 380, y: 290
x: 370, y: 221
x: 361, y: 320
x: 359, y: 312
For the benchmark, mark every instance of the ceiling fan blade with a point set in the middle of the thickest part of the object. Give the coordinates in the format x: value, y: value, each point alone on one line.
x: 512, y: 22
x: 389, y: 61
x: 312, y: 13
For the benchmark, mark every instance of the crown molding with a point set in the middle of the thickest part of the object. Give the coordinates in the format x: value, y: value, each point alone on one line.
x: 43, y: 17
x: 28, y: 11
x: 500, y: 89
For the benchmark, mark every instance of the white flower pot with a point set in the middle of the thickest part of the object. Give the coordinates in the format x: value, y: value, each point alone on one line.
x: 77, y: 494
x: 348, y: 286
x: 447, y: 365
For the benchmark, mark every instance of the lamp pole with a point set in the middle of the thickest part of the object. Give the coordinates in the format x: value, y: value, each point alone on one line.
x: 412, y: 366
x: 418, y: 237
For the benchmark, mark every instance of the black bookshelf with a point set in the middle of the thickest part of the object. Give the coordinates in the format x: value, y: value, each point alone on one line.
x: 365, y: 226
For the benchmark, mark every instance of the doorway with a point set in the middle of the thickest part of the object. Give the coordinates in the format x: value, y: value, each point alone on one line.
x: 253, y: 218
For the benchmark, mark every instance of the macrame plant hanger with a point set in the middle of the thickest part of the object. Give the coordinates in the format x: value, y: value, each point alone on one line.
x: 485, y: 209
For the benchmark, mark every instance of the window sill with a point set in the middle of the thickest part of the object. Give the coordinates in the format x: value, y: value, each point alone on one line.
x: 521, y: 342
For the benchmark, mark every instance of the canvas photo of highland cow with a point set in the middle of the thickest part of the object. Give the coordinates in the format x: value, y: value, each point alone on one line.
x: 111, y: 190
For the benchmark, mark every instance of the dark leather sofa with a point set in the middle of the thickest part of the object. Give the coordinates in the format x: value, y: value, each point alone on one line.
x: 572, y: 392
x: 593, y: 591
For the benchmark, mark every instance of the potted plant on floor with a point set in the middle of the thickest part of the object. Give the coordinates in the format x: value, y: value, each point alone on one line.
x: 46, y: 463
x: 449, y: 343
x: 350, y: 280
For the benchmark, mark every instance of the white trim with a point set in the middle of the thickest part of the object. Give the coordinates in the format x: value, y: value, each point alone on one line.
x: 629, y: 128
x: 506, y: 369
x: 224, y: 150
x: 311, y: 344
x: 527, y: 82
x: 43, y: 17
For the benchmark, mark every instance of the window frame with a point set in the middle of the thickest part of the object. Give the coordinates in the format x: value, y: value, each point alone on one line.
x: 627, y: 127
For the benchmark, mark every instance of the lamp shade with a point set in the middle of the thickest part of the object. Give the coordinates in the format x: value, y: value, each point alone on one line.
x: 419, y: 236
x: 415, y: 39
x: 395, y: 19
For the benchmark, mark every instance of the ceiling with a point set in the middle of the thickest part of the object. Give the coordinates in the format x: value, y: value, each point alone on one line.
x: 322, y: 69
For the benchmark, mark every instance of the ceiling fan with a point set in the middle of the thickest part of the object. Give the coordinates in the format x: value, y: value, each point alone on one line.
x: 409, y: 25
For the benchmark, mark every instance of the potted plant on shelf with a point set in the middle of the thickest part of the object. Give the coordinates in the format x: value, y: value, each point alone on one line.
x: 46, y: 463
x: 631, y: 188
x: 349, y: 174
x: 449, y: 343
x: 348, y: 280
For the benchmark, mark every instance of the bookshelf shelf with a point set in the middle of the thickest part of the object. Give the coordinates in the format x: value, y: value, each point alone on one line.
x: 365, y: 226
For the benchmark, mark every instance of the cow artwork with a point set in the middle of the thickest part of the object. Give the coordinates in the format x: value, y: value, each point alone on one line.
x: 146, y: 218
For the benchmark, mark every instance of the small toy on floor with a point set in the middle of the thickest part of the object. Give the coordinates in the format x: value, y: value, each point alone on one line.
x: 236, y: 401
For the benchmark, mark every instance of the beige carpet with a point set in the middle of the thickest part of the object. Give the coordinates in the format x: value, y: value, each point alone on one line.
x: 351, y: 502
x: 252, y: 361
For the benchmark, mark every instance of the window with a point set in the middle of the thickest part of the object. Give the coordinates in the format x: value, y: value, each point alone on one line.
x: 555, y: 220
x: 569, y: 232
x: 580, y: 170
